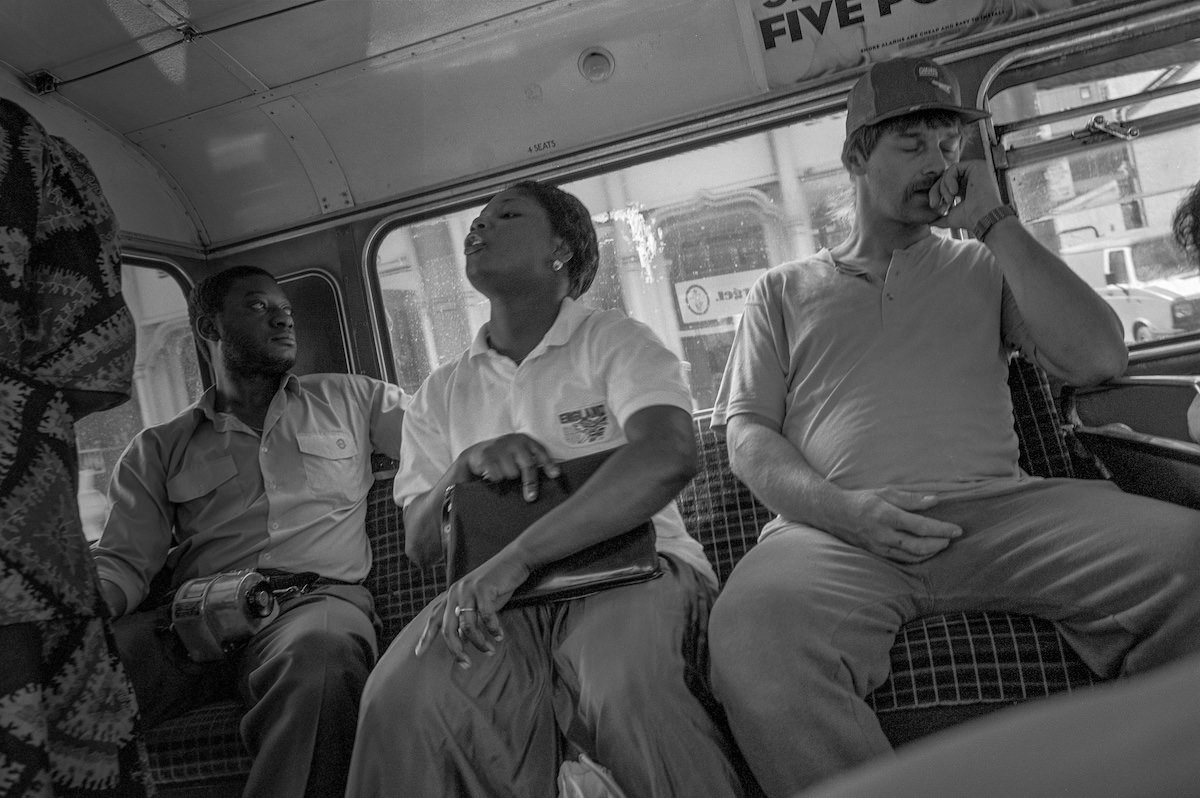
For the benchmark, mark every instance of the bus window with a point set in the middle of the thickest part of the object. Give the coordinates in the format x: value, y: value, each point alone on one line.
x: 682, y: 240
x: 1097, y: 160
x: 1117, y: 270
x: 166, y: 379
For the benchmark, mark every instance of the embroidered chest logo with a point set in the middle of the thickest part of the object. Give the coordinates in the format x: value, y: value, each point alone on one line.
x: 585, y: 425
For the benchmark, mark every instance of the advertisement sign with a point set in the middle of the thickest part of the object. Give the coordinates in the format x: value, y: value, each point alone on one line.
x: 709, y: 298
x: 799, y: 39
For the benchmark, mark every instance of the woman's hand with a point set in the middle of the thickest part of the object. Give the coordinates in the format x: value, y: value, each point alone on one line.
x: 468, y: 612
x: 508, y: 457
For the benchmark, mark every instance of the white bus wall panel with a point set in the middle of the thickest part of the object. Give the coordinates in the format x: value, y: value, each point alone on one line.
x: 139, y: 190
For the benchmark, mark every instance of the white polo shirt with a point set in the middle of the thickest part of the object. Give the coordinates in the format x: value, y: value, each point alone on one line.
x: 573, y: 394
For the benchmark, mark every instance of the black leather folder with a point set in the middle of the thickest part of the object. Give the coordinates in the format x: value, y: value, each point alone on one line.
x: 480, y: 518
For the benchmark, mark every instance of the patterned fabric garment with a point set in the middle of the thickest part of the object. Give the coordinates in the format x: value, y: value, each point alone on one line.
x: 67, y: 712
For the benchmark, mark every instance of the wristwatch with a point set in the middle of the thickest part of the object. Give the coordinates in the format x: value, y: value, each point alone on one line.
x: 989, y: 219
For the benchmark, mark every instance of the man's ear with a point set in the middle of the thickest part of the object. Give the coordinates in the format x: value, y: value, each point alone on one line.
x: 207, y: 327
x: 856, y: 162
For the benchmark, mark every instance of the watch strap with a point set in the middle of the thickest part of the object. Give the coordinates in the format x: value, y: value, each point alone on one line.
x: 989, y: 219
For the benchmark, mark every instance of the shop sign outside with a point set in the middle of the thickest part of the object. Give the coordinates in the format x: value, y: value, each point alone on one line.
x: 714, y: 298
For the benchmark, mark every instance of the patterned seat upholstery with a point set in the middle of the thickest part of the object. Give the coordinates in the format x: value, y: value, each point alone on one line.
x: 944, y: 668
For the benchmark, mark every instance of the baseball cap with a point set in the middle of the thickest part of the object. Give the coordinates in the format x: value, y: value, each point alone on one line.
x: 904, y: 85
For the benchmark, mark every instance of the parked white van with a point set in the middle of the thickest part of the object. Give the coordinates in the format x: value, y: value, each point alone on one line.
x: 1145, y: 278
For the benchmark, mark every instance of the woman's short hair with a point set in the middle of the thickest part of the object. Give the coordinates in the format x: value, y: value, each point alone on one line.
x: 1186, y: 226
x: 208, y: 295
x: 866, y: 138
x: 571, y: 220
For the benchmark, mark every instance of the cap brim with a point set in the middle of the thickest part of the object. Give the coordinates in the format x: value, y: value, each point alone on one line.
x: 967, y: 114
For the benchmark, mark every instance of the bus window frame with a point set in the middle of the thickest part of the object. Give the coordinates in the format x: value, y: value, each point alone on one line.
x: 1071, y: 54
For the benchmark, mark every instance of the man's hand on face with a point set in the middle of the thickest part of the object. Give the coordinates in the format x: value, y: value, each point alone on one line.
x: 963, y: 194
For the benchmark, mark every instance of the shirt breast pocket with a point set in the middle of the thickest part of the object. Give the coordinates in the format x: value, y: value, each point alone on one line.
x: 331, y: 462
x: 200, y: 480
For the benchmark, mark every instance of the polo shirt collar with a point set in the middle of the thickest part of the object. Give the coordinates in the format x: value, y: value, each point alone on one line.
x: 206, y: 405
x: 571, y: 314
x: 915, y: 249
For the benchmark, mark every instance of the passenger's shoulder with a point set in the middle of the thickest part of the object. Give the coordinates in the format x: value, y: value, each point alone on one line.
x: 610, y: 328
x: 178, y: 428
x: 959, y: 249
x: 444, y: 376
x: 355, y: 387
x: 815, y: 266
x: 793, y: 278
x: 608, y: 320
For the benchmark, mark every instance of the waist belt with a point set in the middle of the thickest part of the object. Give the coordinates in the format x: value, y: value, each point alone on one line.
x: 287, y: 583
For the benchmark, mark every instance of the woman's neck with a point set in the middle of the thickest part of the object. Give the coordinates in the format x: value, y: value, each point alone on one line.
x: 517, y: 326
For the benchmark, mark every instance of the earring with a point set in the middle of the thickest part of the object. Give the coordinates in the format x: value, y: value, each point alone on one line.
x: 557, y: 265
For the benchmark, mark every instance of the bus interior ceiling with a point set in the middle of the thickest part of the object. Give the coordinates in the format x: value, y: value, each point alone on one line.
x: 286, y: 131
x: 268, y: 116
x: 217, y: 123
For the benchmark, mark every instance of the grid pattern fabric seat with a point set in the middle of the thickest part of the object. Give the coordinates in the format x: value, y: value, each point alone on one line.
x: 199, y: 746
x: 944, y: 668
x: 400, y: 588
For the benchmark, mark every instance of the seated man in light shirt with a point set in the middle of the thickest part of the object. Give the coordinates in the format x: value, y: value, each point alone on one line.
x: 267, y: 471
x: 865, y: 402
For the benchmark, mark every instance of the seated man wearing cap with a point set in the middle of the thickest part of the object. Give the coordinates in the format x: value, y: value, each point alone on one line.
x: 865, y: 402
x: 267, y: 471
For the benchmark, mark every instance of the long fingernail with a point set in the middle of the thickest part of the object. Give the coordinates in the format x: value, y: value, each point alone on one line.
x: 530, y: 493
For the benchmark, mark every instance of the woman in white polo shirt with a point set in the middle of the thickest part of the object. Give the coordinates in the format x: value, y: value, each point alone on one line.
x: 473, y: 698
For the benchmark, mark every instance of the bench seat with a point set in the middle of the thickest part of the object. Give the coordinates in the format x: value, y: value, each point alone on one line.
x: 945, y: 668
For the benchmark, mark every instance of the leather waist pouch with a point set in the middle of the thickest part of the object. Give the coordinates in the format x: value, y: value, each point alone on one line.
x: 480, y: 518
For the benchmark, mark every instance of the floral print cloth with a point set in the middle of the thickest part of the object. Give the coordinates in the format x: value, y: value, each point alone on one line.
x: 68, y: 718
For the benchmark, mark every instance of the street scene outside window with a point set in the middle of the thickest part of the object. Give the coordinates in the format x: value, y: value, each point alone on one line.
x: 1099, y: 160
x: 166, y: 379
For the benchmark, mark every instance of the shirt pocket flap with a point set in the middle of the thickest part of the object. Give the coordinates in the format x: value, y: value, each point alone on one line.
x: 200, y: 480
x: 335, y: 445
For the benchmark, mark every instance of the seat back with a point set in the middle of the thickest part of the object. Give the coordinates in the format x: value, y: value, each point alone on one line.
x: 719, y: 510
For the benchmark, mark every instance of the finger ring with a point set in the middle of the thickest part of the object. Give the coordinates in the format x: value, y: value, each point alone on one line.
x: 459, y: 611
